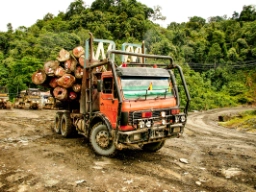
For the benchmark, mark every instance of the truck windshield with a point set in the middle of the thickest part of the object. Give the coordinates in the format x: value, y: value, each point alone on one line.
x: 147, y: 88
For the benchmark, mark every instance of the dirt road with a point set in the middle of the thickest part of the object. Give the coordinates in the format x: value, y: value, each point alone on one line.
x: 206, y: 158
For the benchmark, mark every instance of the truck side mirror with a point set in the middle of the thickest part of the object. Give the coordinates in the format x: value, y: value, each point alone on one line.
x: 99, y: 83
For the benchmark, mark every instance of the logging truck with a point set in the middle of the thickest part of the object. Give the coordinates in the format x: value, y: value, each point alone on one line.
x: 136, y: 103
x: 28, y: 99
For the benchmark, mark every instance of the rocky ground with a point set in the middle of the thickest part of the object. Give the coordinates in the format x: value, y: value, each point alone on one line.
x: 206, y: 158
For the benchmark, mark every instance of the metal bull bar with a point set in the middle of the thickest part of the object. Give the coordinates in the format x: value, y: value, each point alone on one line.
x: 110, y: 62
x: 171, y: 66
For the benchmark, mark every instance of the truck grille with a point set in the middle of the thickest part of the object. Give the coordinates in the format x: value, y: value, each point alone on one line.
x: 134, y: 116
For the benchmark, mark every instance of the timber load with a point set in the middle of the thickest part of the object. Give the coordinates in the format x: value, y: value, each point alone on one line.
x: 63, y: 76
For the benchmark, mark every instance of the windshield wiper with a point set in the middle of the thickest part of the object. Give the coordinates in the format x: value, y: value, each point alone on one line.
x: 161, y: 95
x: 157, y: 97
x: 138, y: 98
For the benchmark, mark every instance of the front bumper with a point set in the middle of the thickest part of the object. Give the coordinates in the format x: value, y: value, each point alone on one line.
x: 152, y: 134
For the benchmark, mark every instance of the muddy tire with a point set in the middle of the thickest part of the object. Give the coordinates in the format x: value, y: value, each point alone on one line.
x: 153, y: 147
x: 100, y: 141
x: 8, y: 105
x: 34, y: 106
x: 66, y: 125
x: 26, y: 106
x: 57, y: 123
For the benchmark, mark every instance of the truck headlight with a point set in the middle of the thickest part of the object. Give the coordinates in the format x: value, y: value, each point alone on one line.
x: 141, y: 124
x: 148, y: 124
x: 162, y: 114
x: 183, y: 118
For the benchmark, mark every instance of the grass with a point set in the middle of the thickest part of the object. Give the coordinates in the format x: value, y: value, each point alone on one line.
x: 245, y: 121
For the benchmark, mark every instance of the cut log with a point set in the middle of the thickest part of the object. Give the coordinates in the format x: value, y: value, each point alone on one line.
x: 59, y: 72
x: 72, y: 95
x: 64, y: 55
x: 53, y: 83
x: 70, y: 65
x: 60, y: 93
x: 81, y: 60
x: 50, y: 67
x: 76, y: 87
x: 78, y: 51
x: 66, y: 81
x: 79, y: 72
x: 39, y: 77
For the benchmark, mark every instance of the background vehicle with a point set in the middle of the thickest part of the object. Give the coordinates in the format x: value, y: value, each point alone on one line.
x: 28, y: 99
x: 137, y: 103
x: 4, y: 101
x: 48, y: 101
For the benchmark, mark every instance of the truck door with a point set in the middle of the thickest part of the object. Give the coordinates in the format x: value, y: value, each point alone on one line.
x: 108, y: 100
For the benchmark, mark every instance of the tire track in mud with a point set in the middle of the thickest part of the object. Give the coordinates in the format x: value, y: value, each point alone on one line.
x: 216, y: 159
x: 225, y: 156
x: 219, y: 159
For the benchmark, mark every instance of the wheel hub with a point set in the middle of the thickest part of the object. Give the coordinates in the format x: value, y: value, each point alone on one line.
x: 102, y: 139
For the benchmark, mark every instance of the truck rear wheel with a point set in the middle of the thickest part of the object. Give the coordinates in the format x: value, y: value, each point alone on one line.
x: 34, y: 106
x: 101, y: 142
x: 66, y: 125
x: 153, y: 147
x: 57, y: 123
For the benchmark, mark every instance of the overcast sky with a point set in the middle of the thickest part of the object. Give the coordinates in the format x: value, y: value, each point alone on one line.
x: 27, y: 12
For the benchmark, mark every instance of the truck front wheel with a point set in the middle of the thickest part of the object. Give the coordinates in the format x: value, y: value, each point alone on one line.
x: 101, y: 142
x: 66, y: 125
x: 153, y: 147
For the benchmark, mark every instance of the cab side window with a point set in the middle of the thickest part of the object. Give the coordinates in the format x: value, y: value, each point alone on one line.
x: 107, y: 85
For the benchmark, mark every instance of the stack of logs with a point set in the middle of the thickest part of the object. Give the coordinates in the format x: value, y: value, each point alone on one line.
x: 64, y: 75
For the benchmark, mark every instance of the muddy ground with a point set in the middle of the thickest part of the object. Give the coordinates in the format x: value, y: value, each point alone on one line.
x: 206, y: 158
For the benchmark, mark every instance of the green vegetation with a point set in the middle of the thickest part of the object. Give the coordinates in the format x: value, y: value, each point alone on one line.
x: 218, y: 56
x: 245, y: 121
